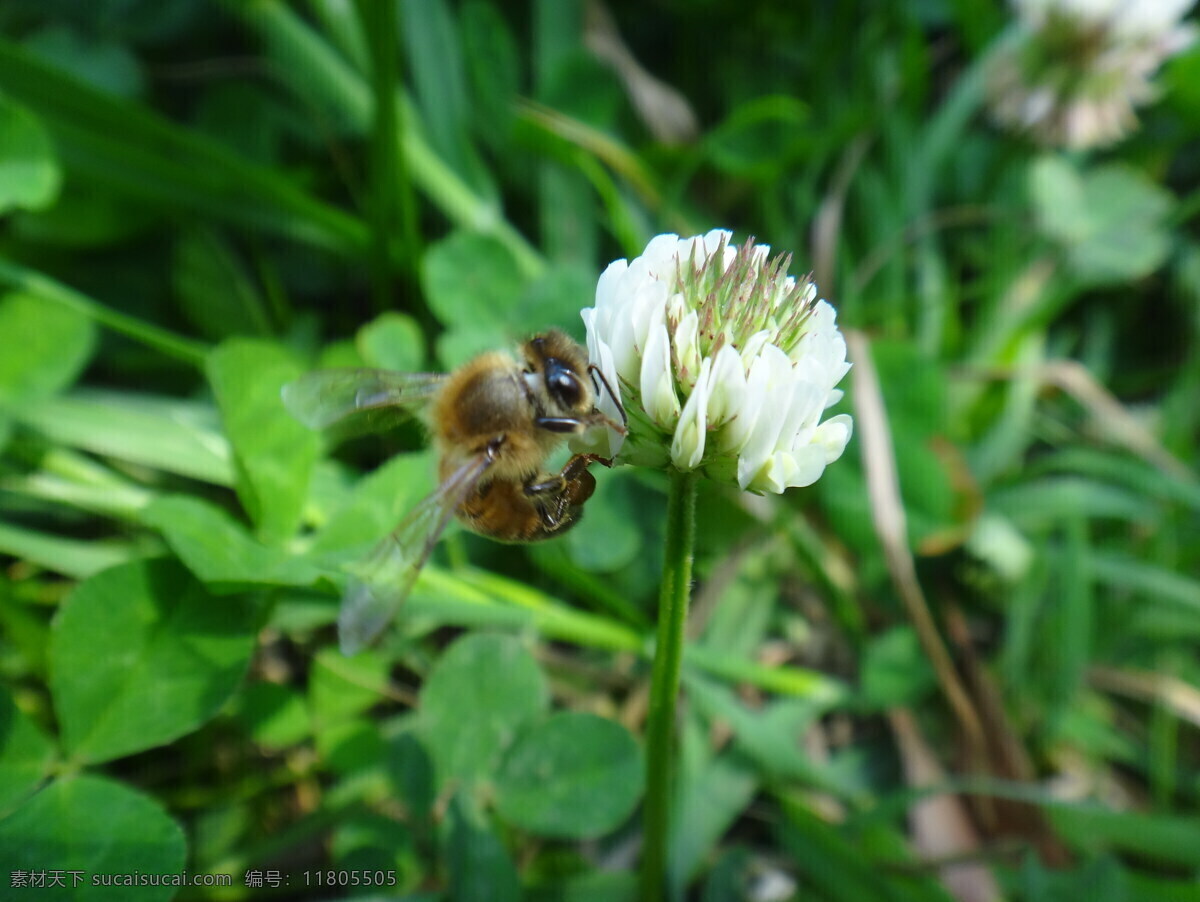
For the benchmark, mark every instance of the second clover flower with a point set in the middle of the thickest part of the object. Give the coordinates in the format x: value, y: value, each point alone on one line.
x: 1076, y: 70
x: 724, y: 363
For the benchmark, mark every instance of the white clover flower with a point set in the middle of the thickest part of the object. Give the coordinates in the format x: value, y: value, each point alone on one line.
x: 723, y: 362
x: 1077, y: 68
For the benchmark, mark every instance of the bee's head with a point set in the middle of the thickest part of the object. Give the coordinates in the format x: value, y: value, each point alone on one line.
x: 561, y: 364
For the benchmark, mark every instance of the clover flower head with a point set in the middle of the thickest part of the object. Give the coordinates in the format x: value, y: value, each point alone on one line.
x: 1078, y: 68
x: 723, y: 362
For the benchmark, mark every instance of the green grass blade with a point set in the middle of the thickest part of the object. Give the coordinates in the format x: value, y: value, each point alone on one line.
x: 128, y: 147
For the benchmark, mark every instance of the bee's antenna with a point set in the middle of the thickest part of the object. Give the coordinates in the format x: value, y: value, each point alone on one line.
x: 597, y: 373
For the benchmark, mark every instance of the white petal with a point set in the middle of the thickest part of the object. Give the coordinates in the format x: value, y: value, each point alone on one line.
x: 742, y: 421
x: 768, y: 476
x: 833, y: 435
x: 608, y: 280
x: 687, y: 446
x: 801, y: 467
x: 648, y: 307
x: 753, y: 347
x: 802, y: 401
x: 687, y: 349
x: 728, y: 386
x: 606, y: 403
x: 660, y: 256
x: 657, y: 386
x: 770, y: 376
x: 691, y: 251
x: 712, y: 239
x: 630, y: 333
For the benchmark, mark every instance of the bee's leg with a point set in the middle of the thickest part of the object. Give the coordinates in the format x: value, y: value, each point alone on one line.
x: 573, y: 471
x: 556, y: 495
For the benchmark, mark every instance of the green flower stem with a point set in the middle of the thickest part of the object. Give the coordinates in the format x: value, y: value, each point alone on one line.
x: 664, y: 683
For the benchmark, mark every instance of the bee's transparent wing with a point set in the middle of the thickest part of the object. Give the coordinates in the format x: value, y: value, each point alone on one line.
x: 380, y: 583
x: 323, y: 397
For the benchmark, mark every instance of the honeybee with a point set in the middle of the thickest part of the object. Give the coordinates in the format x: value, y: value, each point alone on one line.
x: 495, y: 422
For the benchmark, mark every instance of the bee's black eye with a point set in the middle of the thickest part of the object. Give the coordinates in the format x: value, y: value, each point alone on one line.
x: 562, y: 384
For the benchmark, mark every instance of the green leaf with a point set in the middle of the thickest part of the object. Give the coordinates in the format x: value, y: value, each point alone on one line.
x: 1068, y: 629
x: 749, y: 606
x: 71, y: 557
x: 217, y: 293
x: 351, y: 746
x: 171, y: 656
x: 555, y: 298
x: 479, y: 598
x: 767, y: 734
x: 1171, y: 839
x: 375, y: 505
x: 273, y: 453
x: 711, y: 798
x: 164, y: 433
x: 1036, y: 505
x: 1120, y: 468
x: 478, y: 696
x: 84, y: 215
x: 139, y: 153
x: 29, y: 173
x: 836, y: 864
x: 1110, y: 219
x: 219, y: 550
x: 341, y: 688
x: 478, y: 865
x: 1057, y: 192
x: 374, y: 842
x: 25, y: 754
x: 493, y: 69
x: 43, y: 347
x: 1156, y: 584
x: 731, y: 875
x: 95, y: 826
x: 392, y: 341
x: 469, y: 278
x: 759, y: 136
x: 320, y: 77
x: 914, y: 388
x: 410, y: 773
x: 275, y: 716
x: 1146, y: 886
x: 458, y: 344
x: 895, y: 670
x: 608, y: 538
x: 571, y: 80
x: 104, y: 64
x: 590, y: 886
x: 574, y: 775
x: 434, y: 56
x: 1100, y: 879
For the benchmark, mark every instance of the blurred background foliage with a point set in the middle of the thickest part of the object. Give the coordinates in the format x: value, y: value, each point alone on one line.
x: 203, y: 199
